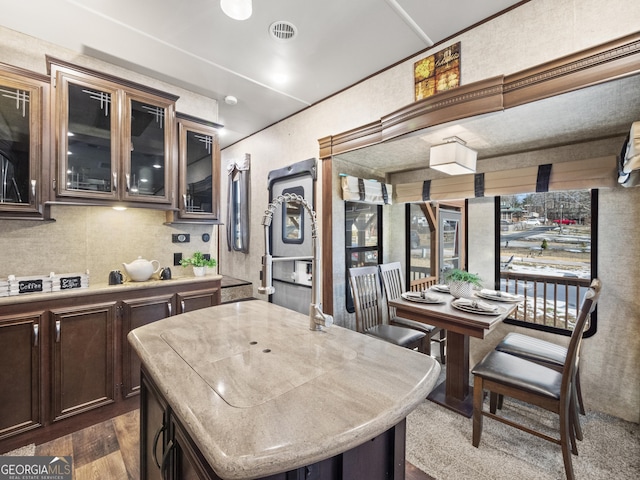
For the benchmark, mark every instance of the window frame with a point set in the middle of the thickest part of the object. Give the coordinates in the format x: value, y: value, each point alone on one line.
x: 349, y: 249
x: 593, y: 323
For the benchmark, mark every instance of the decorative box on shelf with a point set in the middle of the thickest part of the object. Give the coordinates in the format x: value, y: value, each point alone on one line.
x: 30, y: 284
x: 46, y: 283
x: 69, y: 280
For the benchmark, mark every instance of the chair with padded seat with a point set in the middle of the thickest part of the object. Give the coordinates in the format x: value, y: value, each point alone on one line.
x: 506, y: 375
x: 367, y: 298
x: 547, y: 354
x: 393, y: 283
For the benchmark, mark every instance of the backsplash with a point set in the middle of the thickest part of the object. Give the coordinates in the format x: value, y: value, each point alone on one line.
x: 98, y: 239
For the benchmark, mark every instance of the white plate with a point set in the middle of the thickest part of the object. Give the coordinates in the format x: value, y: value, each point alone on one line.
x: 469, y: 309
x: 432, y: 298
x: 441, y: 288
x: 501, y: 298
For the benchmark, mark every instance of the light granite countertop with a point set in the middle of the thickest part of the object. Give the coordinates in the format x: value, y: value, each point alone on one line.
x: 260, y: 393
x: 103, y: 287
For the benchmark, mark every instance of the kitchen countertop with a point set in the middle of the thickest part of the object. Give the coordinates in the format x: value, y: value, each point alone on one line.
x: 104, y: 287
x: 261, y: 393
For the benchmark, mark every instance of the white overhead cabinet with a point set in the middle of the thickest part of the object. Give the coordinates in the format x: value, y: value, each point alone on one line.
x: 114, y: 139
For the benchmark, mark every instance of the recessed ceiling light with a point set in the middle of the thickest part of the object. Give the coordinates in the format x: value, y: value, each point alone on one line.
x: 230, y: 100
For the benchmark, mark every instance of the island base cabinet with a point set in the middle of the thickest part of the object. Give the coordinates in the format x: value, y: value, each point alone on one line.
x: 169, y: 453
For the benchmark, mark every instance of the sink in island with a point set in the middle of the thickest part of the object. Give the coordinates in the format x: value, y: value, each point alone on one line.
x: 246, y: 390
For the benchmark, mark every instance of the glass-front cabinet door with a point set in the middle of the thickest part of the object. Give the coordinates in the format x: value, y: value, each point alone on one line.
x: 148, y: 133
x: 199, y: 160
x: 88, y: 133
x: 23, y: 101
x: 114, y: 142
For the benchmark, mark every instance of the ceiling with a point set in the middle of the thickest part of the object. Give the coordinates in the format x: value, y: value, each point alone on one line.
x: 192, y: 44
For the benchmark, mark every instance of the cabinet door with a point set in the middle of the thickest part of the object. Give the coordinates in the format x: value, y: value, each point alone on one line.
x: 147, y: 146
x: 189, y: 301
x: 87, y: 137
x: 154, y: 419
x: 189, y: 464
x: 136, y: 313
x: 22, y: 127
x: 199, y: 178
x: 20, y: 354
x: 83, y: 358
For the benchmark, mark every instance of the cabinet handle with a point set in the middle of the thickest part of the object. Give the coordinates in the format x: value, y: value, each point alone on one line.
x: 169, y: 307
x: 154, y: 453
x: 165, y: 458
x: 127, y: 176
x: 115, y: 182
x: 182, y: 306
x: 57, y: 331
x: 36, y: 327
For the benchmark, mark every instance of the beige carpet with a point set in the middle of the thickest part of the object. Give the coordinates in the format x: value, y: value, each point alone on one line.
x: 439, y: 443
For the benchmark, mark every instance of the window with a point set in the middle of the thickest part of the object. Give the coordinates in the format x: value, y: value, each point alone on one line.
x: 238, y: 205
x: 293, y: 218
x: 363, y: 221
x: 418, y: 243
x: 547, y: 251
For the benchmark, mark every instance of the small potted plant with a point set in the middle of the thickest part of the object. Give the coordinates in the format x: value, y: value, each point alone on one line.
x: 461, y: 283
x: 199, y: 263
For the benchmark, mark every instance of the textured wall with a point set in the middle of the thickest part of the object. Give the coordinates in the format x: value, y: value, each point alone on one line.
x: 536, y: 32
x: 98, y: 239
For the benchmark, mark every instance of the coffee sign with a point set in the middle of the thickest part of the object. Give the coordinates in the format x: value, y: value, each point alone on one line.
x: 30, y: 286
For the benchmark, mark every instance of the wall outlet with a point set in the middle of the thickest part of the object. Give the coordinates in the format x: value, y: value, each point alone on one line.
x: 176, y: 258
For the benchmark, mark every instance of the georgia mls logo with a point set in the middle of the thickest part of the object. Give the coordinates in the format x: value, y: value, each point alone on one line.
x: 35, y: 468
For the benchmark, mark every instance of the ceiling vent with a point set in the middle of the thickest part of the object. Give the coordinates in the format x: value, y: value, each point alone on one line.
x: 282, y: 31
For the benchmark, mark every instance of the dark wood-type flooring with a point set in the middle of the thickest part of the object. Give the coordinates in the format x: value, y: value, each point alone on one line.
x: 110, y: 450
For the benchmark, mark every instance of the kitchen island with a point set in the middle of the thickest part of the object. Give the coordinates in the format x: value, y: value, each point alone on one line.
x: 246, y: 390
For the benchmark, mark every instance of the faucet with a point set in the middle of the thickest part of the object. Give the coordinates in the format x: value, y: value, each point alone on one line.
x: 317, y: 318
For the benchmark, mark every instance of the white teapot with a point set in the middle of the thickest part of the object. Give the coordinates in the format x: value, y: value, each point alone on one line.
x: 140, y: 270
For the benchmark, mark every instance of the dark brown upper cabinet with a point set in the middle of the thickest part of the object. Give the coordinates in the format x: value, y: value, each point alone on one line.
x: 24, y: 114
x: 114, y: 140
x: 199, y: 171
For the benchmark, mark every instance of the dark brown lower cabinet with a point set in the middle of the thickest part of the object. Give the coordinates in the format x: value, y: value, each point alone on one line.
x: 20, y: 364
x: 83, y: 358
x: 65, y: 362
x: 167, y: 452
x: 189, y: 301
x: 136, y: 313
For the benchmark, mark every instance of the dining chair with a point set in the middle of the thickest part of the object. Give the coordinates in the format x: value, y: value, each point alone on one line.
x: 548, y: 354
x: 394, y: 286
x: 367, y: 298
x: 503, y: 374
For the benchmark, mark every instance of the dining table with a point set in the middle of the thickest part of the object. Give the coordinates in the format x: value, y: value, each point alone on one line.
x: 455, y: 392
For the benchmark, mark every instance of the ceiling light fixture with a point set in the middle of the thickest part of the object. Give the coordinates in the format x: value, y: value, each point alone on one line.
x: 453, y: 157
x: 237, y: 9
x: 230, y: 100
